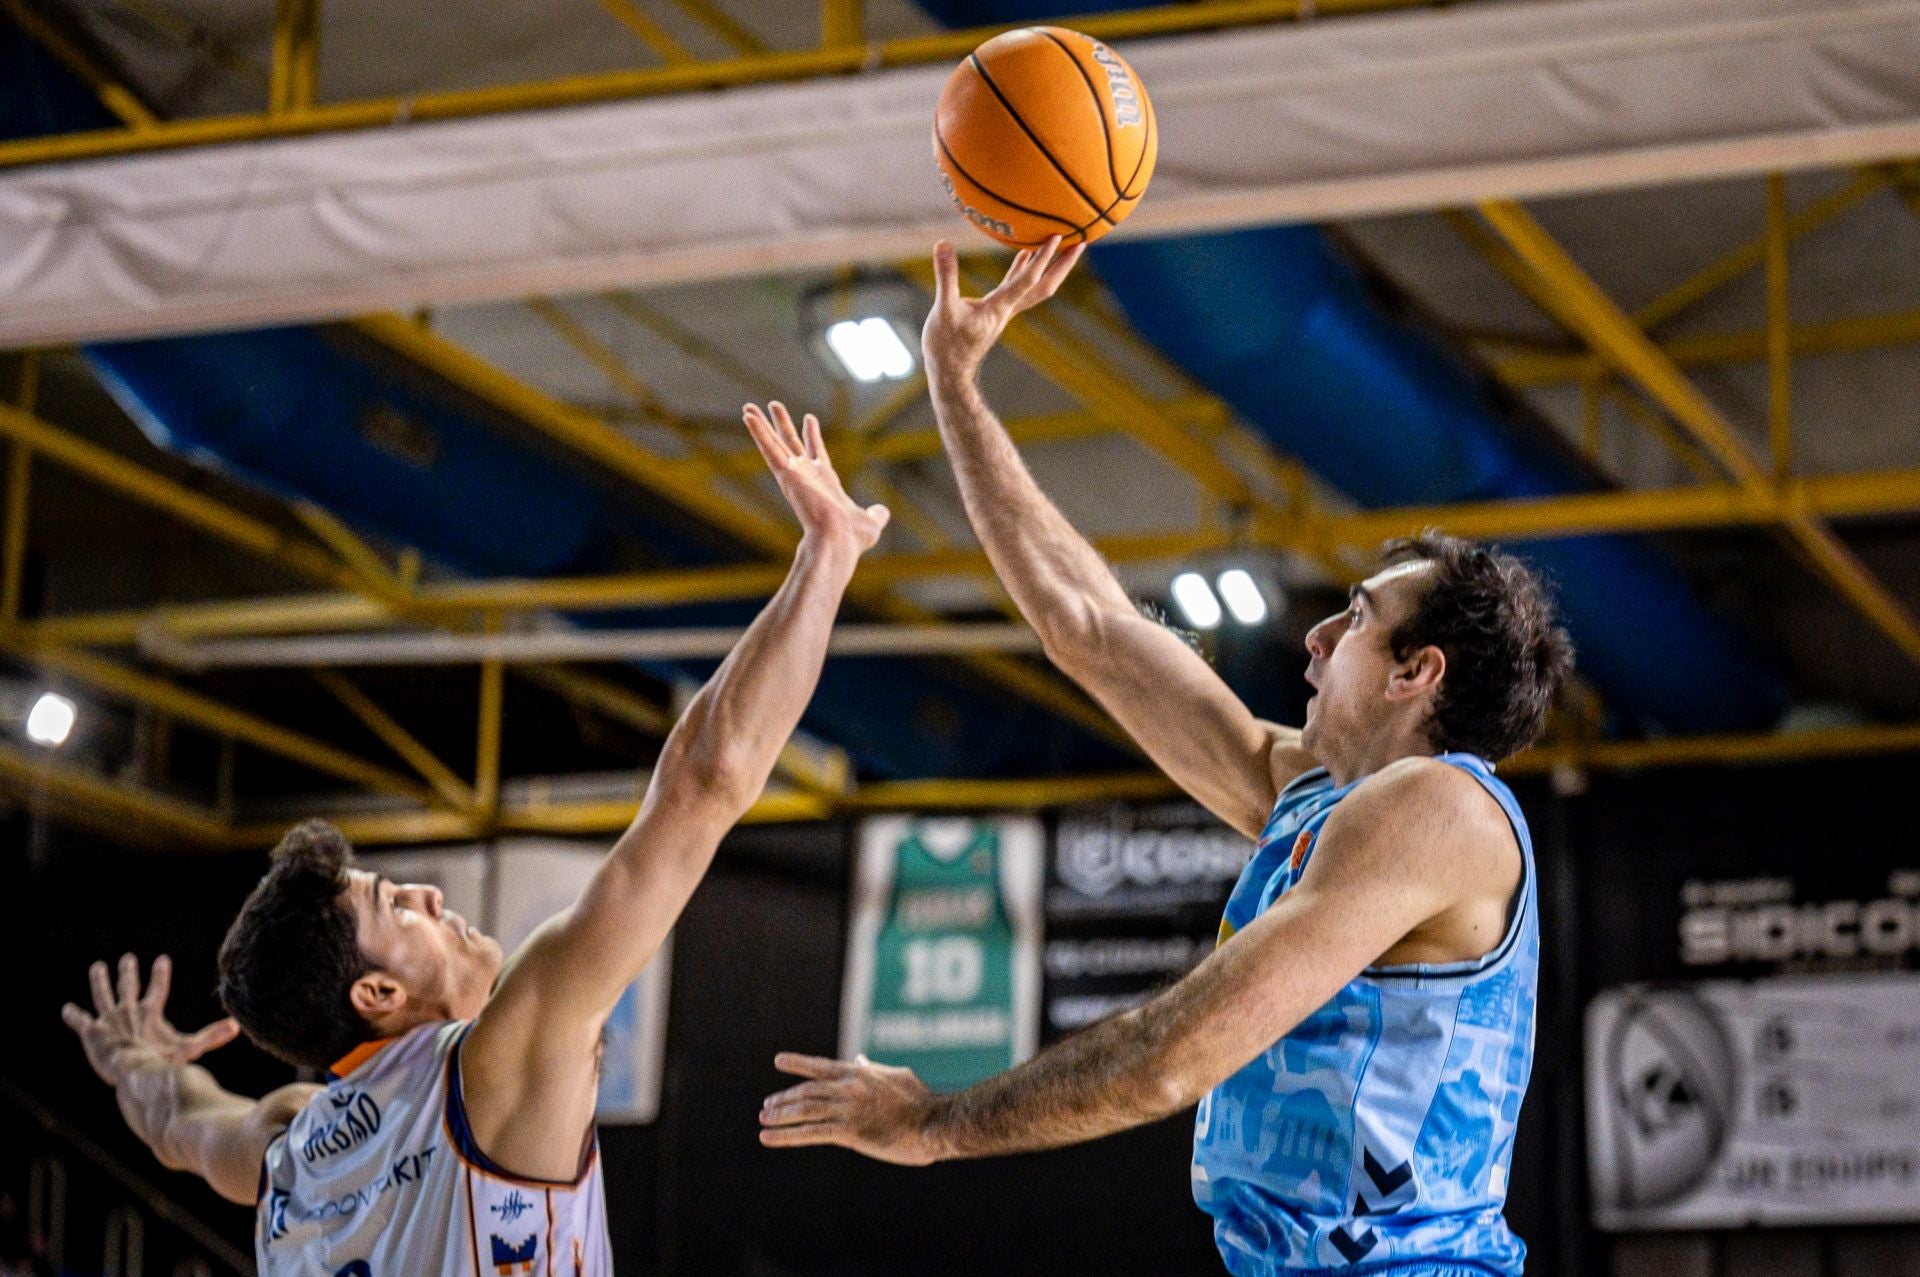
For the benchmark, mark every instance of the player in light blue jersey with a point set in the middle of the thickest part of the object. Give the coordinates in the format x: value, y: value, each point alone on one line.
x: 1360, y: 1040
x: 455, y: 1131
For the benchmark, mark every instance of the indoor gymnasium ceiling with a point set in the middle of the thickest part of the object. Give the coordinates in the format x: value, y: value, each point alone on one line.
x: 671, y: 365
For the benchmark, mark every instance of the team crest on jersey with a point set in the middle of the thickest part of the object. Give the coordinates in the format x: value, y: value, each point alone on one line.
x: 512, y: 1208
x: 1300, y: 847
x: 509, y: 1259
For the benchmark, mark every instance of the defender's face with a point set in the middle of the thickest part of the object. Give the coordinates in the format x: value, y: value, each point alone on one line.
x: 446, y: 965
x: 1352, y: 659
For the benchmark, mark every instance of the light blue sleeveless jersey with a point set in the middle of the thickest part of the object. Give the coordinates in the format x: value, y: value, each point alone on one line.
x: 1377, y: 1136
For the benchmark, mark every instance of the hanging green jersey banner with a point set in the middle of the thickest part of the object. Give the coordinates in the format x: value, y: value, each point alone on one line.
x: 943, y: 957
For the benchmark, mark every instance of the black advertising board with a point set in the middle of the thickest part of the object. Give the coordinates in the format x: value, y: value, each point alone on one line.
x: 1133, y: 900
x: 1721, y: 873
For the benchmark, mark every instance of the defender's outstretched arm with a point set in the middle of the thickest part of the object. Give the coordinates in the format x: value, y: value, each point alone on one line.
x: 1171, y: 701
x: 176, y: 1108
x: 529, y: 1060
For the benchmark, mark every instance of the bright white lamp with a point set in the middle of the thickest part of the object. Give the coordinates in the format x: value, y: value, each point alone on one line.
x: 870, y: 349
x: 1242, y: 595
x: 50, y: 721
x: 1196, y: 600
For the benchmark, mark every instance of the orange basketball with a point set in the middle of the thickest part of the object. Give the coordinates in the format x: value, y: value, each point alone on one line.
x: 1044, y: 131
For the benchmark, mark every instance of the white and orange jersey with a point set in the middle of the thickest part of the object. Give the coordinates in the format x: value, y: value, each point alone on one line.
x: 379, y: 1176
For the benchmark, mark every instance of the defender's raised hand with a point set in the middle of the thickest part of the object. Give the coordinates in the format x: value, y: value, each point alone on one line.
x: 807, y: 479
x: 961, y: 330
x: 874, y: 1109
x: 127, y: 1025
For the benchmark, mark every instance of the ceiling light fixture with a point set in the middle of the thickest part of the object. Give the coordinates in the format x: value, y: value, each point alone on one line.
x: 1242, y: 595
x: 1196, y: 600
x: 870, y: 349
x: 865, y: 328
x: 51, y: 719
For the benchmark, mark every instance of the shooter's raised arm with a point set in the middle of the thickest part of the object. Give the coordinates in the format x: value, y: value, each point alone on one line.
x: 1169, y: 699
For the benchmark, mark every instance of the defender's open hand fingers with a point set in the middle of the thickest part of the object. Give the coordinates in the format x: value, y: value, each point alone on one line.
x: 214, y: 1036
x: 74, y: 1018
x: 811, y: 1065
x: 129, y: 981
x: 783, y: 422
x: 816, y: 443
x: 159, y: 984
x: 803, y: 1136
x: 765, y: 437
x: 102, y: 988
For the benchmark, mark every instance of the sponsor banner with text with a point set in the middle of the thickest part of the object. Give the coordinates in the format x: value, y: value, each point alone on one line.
x: 1790, y: 1100
x: 1133, y: 901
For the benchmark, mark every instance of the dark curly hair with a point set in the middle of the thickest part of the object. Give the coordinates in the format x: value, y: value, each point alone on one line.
x: 293, y: 954
x: 1495, y: 621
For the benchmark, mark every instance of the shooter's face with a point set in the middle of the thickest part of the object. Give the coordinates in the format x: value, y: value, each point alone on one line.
x: 428, y: 962
x: 1352, y: 665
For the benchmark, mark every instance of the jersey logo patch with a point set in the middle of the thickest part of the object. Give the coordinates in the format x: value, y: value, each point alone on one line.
x: 1354, y: 1248
x: 509, y: 1259
x: 1299, y: 856
x: 512, y: 1208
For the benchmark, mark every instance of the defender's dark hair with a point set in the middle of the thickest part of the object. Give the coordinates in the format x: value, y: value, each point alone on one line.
x: 1506, y: 651
x: 293, y: 954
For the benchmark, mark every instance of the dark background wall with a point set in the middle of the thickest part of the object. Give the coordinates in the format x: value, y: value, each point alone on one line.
x: 757, y: 969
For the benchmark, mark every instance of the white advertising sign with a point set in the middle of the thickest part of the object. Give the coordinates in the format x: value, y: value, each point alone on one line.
x: 1792, y: 1100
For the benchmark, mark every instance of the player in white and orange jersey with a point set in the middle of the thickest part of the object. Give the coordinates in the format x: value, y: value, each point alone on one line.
x: 455, y: 1131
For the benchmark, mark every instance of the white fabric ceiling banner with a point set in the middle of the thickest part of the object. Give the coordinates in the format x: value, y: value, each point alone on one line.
x: 1331, y: 119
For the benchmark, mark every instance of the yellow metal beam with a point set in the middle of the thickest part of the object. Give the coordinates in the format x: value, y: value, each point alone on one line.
x: 715, y: 19
x: 607, y: 362
x: 613, y: 86
x: 1710, y: 279
x: 651, y: 33
x: 1726, y: 751
x: 901, y: 400
x: 452, y: 790
x: 371, y: 572
x: 486, y: 768
x: 115, y: 96
x: 295, y: 614
x: 13, y: 553
x: 611, y: 815
x: 1719, y: 505
x: 1677, y: 443
x: 682, y: 483
x: 190, y: 507
x: 112, y: 807
x: 215, y: 716
x: 1048, y: 791
x: 1865, y: 332
x: 296, y: 58
x: 816, y: 770
x: 693, y: 346
x: 1645, y: 510
x: 1779, y: 338
x: 841, y: 23
x: 1584, y: 307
